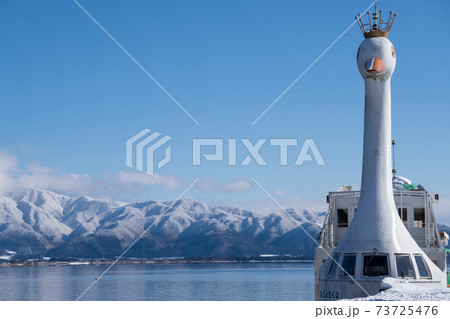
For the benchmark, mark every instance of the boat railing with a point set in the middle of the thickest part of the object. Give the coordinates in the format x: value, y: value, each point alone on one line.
x: 411, y: 193
x: 327, y: 239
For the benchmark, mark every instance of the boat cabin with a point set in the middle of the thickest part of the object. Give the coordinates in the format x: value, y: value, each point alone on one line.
x: 414, y: 208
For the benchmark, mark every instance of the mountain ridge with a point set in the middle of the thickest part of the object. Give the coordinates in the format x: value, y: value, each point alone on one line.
x: 56, y: 225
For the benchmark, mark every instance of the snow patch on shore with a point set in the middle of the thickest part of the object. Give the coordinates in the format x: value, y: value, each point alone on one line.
x: 5, y: 257
x: 9, y: 255
x: 401, y: 290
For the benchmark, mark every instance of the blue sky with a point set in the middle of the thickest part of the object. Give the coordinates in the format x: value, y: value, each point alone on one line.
x: 70, y: 97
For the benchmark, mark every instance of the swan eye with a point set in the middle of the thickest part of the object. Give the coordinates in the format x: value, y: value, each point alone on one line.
x: 392, y: 51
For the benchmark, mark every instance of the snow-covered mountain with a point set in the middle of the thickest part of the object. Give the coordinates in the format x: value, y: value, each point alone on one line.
x: 56, y: 225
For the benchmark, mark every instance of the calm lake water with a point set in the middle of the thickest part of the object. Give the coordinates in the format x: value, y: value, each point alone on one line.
x: 243, y: 281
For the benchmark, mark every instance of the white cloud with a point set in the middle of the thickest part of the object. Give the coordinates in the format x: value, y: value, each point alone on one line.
x: 442, y: 210
x: 267, y: 206
x: 8, y: 168
x: 280, y: 192
x: 236, y: 186
x: 170, y: 181
x: 131, y: 184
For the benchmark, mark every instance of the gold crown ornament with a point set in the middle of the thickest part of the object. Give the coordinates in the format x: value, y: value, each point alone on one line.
x: 376, y: 27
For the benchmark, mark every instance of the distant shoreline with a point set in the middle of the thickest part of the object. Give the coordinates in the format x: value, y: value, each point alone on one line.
x: 157, y: 261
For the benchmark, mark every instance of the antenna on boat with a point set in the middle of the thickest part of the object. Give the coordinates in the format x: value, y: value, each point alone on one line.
x: 393, y: 159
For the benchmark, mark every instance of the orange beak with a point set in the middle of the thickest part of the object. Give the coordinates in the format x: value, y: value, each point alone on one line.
x: 375, y: 65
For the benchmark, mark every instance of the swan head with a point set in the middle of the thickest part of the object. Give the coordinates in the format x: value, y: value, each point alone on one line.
x: 376, y: 58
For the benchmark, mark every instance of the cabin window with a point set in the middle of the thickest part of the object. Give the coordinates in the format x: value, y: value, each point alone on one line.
x: 375, y: 265
x: 334, y: 265
x: 349, y: 265
x: 404, y: 266
x: 342, y: 214
x: 403, y: 213
x: 422, y: 267
x: 419, y: 217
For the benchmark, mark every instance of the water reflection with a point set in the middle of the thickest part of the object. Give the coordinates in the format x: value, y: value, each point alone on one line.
x: 281, y: 281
